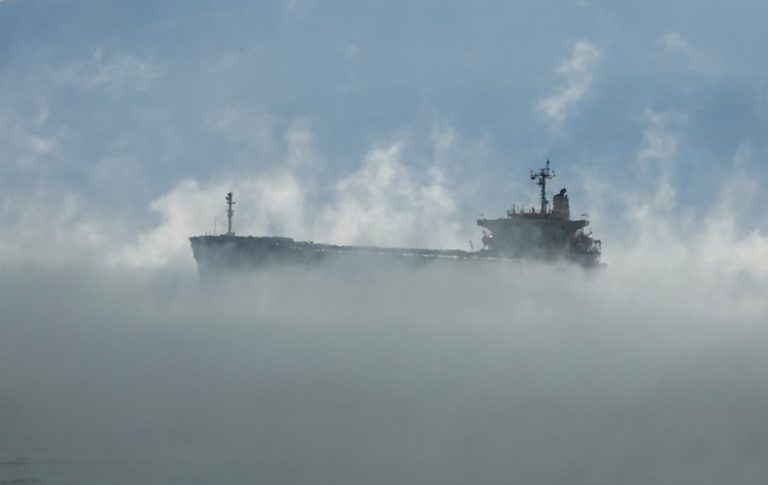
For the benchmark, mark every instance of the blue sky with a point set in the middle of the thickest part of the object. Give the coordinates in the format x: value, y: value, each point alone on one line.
x: 376, y: 122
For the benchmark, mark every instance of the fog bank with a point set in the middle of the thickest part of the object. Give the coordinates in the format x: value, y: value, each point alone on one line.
x: 521, y: 373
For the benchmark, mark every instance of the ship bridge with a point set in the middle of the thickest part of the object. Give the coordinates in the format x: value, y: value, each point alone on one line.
x: 543, y: 233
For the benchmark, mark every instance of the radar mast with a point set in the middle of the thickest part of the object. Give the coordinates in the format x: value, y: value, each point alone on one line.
x: 230, y: 212
x: 541, y: 178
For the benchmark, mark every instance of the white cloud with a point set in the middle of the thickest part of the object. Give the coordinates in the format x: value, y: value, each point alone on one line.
x: 577, y: 74
x: 723, y: 223
x: 31, y: 145
x: 674, y: 42
x: 715, y: 244
x: 269, y: 204
x: 384, y: 203
x: 695, y: 59
x: 55, y: 226
x: 387, y: 200
x: 660, y: 139
x: 28, y: 140
x: 122, y: 71
x: 651, y: 202
x: 51, y: 228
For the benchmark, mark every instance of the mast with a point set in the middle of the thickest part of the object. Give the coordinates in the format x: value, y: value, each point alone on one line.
x: 230, y: 213
x: 541, y: 178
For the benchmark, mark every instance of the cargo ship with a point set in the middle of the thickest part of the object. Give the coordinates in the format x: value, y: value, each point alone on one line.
x: 546, y: 234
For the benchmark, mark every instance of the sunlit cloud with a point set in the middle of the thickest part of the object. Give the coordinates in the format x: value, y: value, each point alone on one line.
x: 385, y: 203
x: 651, y: 201
x: 577, y: 74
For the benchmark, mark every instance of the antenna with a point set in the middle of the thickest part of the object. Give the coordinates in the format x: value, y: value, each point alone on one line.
x: 214, y: 226
x: 230, y: 213
x: 541, y: 178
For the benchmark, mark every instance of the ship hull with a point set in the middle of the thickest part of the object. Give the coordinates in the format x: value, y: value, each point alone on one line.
x: 217, y: 254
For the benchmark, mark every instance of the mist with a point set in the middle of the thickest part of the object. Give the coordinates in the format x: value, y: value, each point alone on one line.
x: 519, y: 373
x: 396, y: 124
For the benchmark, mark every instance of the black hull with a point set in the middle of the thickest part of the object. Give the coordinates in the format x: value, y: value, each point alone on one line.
x: 215, y: 254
